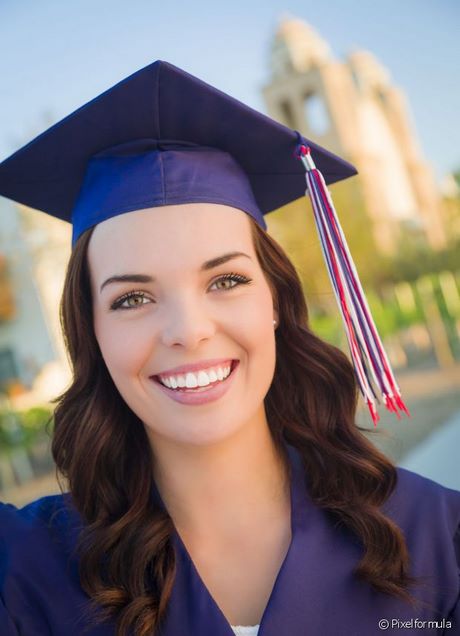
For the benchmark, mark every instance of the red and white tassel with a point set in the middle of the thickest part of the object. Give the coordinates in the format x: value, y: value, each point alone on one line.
x: 367, y: 352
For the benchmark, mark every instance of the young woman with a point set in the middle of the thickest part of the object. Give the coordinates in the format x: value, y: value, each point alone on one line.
x: 217, y: 481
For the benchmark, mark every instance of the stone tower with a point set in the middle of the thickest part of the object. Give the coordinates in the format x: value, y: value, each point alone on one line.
x: 353, y: 109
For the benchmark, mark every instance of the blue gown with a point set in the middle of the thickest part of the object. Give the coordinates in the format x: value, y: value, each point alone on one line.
x: 314, y: 593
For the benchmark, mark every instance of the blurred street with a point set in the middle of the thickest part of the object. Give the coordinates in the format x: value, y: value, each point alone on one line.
x: 437, y: 457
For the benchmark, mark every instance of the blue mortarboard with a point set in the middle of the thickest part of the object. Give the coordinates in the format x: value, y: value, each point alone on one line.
x: 163, y: 137
x: 159, y: 137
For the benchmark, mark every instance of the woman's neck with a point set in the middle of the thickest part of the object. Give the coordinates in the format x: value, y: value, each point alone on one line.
x: 221, y: 490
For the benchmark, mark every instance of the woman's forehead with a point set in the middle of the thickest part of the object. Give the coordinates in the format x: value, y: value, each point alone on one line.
x: 185, y: 234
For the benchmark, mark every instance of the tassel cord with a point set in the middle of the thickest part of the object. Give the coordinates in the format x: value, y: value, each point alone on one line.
x: 363, y: 338
x: 362, y: 316
x: 360, y: 294
x: 339, y: 293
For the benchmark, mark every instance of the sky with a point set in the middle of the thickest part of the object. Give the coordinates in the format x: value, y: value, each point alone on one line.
x: 55, y: 55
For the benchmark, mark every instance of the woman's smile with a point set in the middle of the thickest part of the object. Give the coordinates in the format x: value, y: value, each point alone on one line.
x: 196, y: 395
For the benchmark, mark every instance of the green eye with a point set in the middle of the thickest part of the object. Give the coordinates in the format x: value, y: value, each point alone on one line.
x: 126, y: 298
x: 235, y: 278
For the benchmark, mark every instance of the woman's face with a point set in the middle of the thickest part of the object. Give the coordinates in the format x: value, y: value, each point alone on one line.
x: 181, y: 312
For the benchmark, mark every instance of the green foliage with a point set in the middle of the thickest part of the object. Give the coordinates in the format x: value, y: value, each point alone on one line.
x: 23, y: 428
x: 414, y: 260
x: 328, y: 327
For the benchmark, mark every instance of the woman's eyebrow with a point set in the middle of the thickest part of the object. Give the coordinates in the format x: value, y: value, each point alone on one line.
x: 145, y: 278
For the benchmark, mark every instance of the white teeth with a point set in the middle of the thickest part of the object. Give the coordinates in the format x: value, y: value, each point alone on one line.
x: 203, y: 378
x: 192, y: 380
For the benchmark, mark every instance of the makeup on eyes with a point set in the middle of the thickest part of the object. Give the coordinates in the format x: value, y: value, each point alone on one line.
x: 239, y: 279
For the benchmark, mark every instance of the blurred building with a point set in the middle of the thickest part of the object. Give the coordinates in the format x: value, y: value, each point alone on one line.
x: 352, y: 108
x: 34, y: 250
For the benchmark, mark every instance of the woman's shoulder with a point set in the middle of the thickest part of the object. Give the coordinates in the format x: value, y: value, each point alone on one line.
x: 40, y: 590
x: 35, y: 514
x: 48, y: 520
x: 424, y: 509
x: 422, y: 493
x: 428, y: 513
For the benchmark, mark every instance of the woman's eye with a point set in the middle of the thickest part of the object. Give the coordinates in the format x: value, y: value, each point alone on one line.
x: 237, y: 279
x: 124, y: 302
x: 136, y: 298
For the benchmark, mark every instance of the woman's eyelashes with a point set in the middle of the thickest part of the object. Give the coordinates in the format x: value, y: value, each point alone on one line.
x: 126, y: 298
x: 137, y: 296
x: 235, y: 278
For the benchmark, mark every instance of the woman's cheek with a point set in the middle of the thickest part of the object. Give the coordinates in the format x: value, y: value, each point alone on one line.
x: 124, y: 350
x: 254, y: 315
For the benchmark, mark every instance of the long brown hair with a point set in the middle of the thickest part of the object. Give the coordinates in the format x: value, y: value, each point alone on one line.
x: 127, y: 562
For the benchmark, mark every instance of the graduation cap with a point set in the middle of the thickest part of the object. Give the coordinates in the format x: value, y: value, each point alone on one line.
x: 163, y: 137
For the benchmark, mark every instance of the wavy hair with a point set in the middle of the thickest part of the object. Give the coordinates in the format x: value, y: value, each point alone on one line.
x: 126, y: 557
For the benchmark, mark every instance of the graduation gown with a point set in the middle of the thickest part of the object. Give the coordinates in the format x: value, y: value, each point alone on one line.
x: 315, y: 591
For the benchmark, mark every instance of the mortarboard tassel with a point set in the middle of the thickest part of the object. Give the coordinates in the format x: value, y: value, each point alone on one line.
x: 368, y: 355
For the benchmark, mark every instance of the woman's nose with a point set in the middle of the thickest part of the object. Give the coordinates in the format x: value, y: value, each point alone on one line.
x: 187, y: 324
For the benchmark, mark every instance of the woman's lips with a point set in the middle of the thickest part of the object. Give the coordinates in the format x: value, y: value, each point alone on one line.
x: 203, y: 394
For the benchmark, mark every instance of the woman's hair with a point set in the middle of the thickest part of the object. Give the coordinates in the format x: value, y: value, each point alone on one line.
x: 127, y: 559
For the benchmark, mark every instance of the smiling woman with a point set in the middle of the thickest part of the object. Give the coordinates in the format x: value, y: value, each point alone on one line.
x: 185, y: 315
x: 218, y: 483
